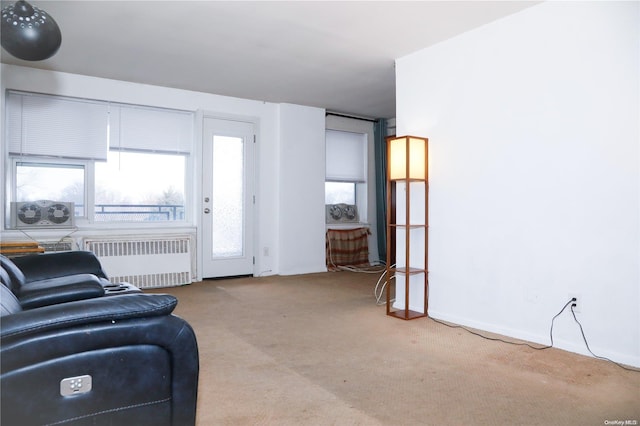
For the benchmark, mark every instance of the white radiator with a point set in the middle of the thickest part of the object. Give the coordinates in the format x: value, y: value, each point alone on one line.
x: 145, y: 262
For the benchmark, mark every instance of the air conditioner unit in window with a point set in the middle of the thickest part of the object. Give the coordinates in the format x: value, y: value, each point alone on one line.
x: 42, y: 214
x: 341, y: 213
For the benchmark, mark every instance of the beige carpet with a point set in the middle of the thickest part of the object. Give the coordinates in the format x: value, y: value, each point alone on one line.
x: 316, y: 350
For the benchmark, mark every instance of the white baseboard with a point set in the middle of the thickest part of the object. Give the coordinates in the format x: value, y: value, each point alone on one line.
x: 576, y: 347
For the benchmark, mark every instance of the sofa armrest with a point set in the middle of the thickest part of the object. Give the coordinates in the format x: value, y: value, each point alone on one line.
x: 58, y: 264
x: 60, y: 290
x: 83, y: 312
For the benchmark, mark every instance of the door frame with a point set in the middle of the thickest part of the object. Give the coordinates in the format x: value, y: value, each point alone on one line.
x: 198, y: 183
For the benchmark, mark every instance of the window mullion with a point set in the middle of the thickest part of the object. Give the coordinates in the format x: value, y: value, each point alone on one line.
x: 90, y: 191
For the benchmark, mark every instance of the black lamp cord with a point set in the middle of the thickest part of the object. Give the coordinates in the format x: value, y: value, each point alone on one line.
x: 540, y: 348
x: 589, y: 349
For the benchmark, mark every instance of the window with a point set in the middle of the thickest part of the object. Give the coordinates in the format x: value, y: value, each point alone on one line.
x: 345, y: 180
x: 116, y: 162
x: 339, y: 192
x: 140, y: 187
x: 51, y: 181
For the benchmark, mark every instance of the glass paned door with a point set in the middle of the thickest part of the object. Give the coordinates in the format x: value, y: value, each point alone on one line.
x: 227, y: 203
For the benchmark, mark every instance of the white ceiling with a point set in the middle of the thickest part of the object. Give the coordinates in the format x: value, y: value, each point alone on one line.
x: 337, y: 55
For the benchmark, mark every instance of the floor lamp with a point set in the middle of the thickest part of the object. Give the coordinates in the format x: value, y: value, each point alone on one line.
x: 407, y: 226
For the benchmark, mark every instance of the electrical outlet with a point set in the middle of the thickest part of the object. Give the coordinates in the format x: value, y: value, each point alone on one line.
x: 577, y: 304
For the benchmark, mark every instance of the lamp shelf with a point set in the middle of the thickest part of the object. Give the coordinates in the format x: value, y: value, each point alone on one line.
x: 400, y: 180
x: 409, y: 271
x: 406, y: 314
x: 412, y: 226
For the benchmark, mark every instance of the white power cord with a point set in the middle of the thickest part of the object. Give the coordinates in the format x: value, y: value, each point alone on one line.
x: 377, y: 295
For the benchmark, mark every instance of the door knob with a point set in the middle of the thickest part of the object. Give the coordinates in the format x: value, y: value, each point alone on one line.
x: 207, y: 211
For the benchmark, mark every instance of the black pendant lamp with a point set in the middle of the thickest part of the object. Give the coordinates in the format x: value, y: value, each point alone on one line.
x: 29, y: 33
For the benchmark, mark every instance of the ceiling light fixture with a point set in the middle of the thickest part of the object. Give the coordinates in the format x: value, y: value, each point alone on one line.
x: 29, y: 33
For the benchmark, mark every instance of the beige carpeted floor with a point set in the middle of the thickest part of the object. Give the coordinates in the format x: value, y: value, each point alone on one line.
x: 316, y: 350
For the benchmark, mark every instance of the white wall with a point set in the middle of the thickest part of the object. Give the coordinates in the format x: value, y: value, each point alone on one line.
x: 302, y: 169
x: 533, y: 123
x: 270, y: 234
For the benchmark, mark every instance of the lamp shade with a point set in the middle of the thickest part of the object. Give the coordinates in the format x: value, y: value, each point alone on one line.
x: 407, y: 157
x: 29, y: 33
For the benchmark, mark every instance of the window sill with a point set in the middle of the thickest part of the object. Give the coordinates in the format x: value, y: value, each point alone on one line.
x: 84, y: 231
x: 347, y: 225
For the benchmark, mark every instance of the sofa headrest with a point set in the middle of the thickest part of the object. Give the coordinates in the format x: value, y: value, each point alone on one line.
x: 36, y: 267
x: 82, y: 312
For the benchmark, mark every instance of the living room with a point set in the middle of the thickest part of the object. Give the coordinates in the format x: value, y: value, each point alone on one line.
x: 534, y: 174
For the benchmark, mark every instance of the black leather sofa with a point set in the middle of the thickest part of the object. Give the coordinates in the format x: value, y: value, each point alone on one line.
x: 103, y: 360
x: 49, y: 278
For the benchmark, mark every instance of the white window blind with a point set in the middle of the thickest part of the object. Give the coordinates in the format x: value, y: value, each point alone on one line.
x: 151, y: 129
x: 57, y: 127
x: 345, y: 159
